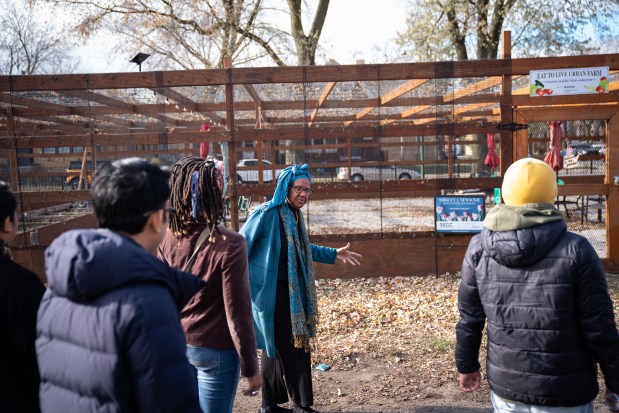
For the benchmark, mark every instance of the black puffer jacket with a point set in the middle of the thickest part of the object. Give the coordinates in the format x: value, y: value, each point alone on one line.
x: 20, y: 294
x: 550, y: 318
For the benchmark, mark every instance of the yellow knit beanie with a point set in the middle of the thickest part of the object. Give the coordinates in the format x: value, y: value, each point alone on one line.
x: 529, y: 181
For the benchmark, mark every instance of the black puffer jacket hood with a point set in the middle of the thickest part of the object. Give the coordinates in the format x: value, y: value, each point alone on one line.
x: 522, y: 247
x: 89, y: 263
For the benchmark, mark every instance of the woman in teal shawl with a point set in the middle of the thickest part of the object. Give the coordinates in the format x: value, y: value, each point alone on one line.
x: 283, y: 291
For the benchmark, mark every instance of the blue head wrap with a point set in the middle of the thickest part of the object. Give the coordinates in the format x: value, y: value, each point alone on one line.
x: 288, y: 176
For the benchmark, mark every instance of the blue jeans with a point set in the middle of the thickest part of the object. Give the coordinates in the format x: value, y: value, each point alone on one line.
x: 217, y: 373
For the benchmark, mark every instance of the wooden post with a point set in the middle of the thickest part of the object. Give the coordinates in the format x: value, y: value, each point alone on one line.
x: 83, y: 171
x: 259, y: 157
x: 162, y: 128
x: 612, y: 202
x: 13, y: 160
x: 519, y: 142
x: 234, y: 213
x: 451, y: 155
x: 507, y: 137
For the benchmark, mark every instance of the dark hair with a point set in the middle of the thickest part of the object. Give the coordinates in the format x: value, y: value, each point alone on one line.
x: 211, y: 202
x: 8, y: 204
x: 125, y: 191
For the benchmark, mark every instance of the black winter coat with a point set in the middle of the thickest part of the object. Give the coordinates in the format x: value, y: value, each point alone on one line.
x: 20, y: 293
x: 109, y: 332
x: 550, y: 318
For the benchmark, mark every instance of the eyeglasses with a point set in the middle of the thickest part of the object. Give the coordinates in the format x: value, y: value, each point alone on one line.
x: 298, y: 189
x: 167, y: 212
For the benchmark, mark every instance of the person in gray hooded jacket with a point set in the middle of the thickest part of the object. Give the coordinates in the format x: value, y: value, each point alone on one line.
x: 109, y: 337
x: 543, y: 292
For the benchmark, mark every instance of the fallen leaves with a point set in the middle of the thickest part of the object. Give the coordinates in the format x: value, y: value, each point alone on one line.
x: 401, y: 328
x: 391, y: 341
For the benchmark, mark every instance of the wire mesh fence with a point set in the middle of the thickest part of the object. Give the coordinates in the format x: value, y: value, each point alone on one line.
x: 370, y: 132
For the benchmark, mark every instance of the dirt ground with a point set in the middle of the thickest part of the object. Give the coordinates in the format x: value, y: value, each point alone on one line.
x: 390, y: 343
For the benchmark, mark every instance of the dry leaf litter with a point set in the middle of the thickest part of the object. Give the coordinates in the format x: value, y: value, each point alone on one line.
x: 390, y: 343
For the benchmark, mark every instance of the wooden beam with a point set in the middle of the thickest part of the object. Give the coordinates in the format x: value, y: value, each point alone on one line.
x: 187, y: 103
x: 89, y: 96
x: 554, y: 101
x: 389, y: 96
x: 581, y: 112
x: 341, y: 73
x: 524, y: 66
x: 452, y: 97
x: 321, y: 100
x: 336, y: 121
x: 121, y: 139
x: 18, y: 100
x: 331, y: 103
x: 114, y: 102
x: 260, y: 112
x: 392, y: 130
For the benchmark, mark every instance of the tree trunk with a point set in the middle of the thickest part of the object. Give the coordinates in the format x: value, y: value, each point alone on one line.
x: 306, y: 44
x: 489, y: 35
x: 306, y: 54
x: 456, y: 33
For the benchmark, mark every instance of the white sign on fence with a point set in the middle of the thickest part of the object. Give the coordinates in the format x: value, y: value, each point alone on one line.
x: 569, y: 81
x: 570, y: 161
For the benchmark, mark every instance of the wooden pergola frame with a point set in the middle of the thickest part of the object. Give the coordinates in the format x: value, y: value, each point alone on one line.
x: 474, y: 97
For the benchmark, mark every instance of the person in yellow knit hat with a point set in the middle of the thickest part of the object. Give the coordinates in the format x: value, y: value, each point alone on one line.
x: 543, y: 292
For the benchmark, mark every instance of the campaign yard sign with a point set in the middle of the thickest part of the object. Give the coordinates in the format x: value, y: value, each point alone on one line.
x: 456, y: 213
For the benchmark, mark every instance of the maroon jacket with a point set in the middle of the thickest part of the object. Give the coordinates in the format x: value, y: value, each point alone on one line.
x: 219, y: 316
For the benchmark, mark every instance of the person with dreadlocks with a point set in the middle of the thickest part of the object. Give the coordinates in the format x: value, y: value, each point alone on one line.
x: 283, y: 290
x: 218, y: 320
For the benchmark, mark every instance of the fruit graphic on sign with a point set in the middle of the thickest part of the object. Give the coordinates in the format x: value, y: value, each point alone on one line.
x: 538, y: 89
x: 603, y: 85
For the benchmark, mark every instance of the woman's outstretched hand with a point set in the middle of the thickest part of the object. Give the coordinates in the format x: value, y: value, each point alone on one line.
x: 348, y: 257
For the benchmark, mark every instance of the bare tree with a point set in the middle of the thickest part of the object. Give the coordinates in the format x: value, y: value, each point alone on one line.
x: 448, y: 29
x: 461, y: 29
x: 306, y: 44
x: 193, y: 34
x: 27, y: 46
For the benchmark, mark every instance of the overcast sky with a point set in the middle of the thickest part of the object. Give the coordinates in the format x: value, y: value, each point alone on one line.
x: 354, y: 28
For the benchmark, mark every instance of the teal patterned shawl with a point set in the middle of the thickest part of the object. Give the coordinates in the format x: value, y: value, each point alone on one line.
x: 301, y: 285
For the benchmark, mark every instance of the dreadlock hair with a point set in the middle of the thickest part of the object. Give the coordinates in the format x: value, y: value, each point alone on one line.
x: 211, y: 202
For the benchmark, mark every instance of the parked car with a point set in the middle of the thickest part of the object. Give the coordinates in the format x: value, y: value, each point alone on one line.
x: 374, y: 173
x: 600, y: 147
x: 585, y: 149
x: 74, y: 170
x: 247, y: 171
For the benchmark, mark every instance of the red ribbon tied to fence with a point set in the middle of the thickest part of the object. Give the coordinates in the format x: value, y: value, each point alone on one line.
x: 554, y: 157
x: 204, y: 146
x: 492, y: 159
